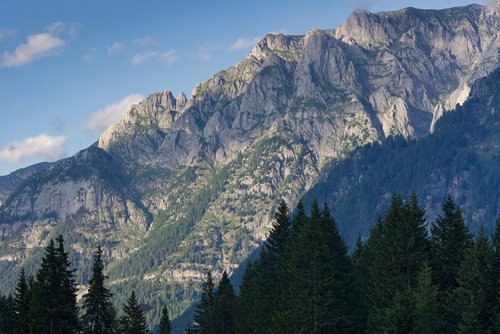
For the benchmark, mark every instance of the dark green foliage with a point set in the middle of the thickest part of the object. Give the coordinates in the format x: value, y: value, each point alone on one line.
x: 276, y: 241
x: 7, y: 315
x: 314, y: 297
x: 473, y: 301
x: 427, y: 318
x: 224, y: 307
x: 98, y: 313
x: 132, y: 320
x: 397, y: 248
x: 53, y: 305
x: 262, y: 279
x: 450, y: 239
x: 203, y: 320
x: 165, y: 325
x: 399, y: 316
x: 22, y: 301
x: 496, y: 262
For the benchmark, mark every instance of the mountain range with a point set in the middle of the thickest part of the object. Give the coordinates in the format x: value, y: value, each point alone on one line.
x: 182, y: 185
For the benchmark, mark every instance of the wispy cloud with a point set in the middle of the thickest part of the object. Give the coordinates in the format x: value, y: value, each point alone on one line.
x: 244, y: 43
x: 141, y: 57
x: 89, y: 54
x: 40, y: 147
x: 144, y: 41
x: 6, y: 33
x: 204, y: 52
x: 170, y: 56
x: 36, y: 46
x: 111, y: 113
x: 115, y: 48
x: 59, y: 28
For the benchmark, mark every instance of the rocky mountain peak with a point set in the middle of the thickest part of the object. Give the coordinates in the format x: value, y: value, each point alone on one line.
x: 181, y: 101
x: 287, y: 47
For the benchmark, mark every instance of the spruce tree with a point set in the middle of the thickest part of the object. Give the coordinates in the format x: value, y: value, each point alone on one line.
x: 22, y: 301
x: 165, y: 325
x: 398, y: 248
x: 249, y: 304
x: 203, y: 320
x: 316, y: 268
x: 42, y: 312
x: 256, y: 304
x: 360, y: 284
x: 70, y: 322
x: 53, y: 304
x: 277, y: 238
x: 496, y: 263
x: 472, y: 301
x: 399, y: 315
x: 450, y: 239
x: 132, y: 320
x: 224, y: 307
x: 427, y: 310
x: 7, y: 315
x: 98, y: 313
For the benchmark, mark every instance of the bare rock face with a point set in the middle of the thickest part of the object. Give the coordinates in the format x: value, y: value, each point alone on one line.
x: 205, y: 173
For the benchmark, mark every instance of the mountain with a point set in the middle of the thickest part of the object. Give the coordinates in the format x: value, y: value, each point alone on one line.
x: 461, y: 158
x: 9, y: 182
x: 181, y: 185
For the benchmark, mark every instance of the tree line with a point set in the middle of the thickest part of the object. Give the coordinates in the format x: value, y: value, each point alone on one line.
x: 404, y: 278
x: 47, y: 303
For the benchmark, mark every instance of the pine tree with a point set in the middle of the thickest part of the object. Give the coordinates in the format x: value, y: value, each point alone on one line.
x: 260, y: 286
x: 450, y: 239
x: 98, y: 313
x: 398, y: 248
x: 224, y: 307
x: 42, y: 312
x: 249, y: 304
x: 53, y: 304
x: 22, y: 301
x: 277, y: 238
x: 360, y: 284
x: 399, y: 316
x: 427, y: 310
x: 133, y: 321
x: 316, y: 267
x: 69, y: 318
x: 203, y: 320
x: 165, y: 325
x: 472, y: 301
x: 496, y: 262
x: 7, y: 315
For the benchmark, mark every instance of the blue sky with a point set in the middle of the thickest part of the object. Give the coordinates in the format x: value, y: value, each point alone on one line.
x: 68, y: 68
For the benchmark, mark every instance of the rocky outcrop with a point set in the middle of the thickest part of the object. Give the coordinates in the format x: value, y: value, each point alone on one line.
x: 211, y: 168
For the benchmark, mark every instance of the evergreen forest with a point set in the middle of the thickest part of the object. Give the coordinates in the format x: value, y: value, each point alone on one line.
x: 408, y: 276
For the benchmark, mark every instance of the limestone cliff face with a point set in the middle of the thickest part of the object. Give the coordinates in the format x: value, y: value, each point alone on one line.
x: 205, y: 173
x: 390, y: 72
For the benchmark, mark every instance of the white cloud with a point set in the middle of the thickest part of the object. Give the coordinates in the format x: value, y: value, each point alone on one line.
x: 170, y: 56
x: 36, y: 46
x: 6, y: 33
x: 40, y: 147
x: 243, y: 43
x: 144, y: 41
x: 141, y: 57
x: 115, y: 47
x: 111, y: 113
x: 59, y: 28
